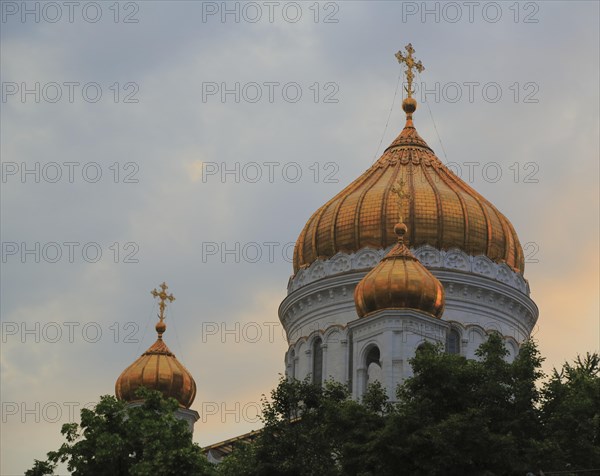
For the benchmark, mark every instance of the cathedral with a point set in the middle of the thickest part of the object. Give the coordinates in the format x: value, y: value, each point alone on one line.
x: 159, y: 369
x: 407, y: 253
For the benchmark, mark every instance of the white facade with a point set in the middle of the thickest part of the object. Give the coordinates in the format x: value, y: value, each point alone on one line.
x: 327, y: 339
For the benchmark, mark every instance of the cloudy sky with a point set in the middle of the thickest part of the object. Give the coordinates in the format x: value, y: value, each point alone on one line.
x: 189, y: 142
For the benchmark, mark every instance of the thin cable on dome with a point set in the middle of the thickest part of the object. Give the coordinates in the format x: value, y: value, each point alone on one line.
x: 434, y: 126
x: 179, y: 349
x: 141, y: 341
x: 388, y: 118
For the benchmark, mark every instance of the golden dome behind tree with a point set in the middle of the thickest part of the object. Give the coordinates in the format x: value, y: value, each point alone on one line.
x: 158, y: 368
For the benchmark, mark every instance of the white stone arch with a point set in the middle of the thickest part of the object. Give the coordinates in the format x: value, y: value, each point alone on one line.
x: 476, y: 335
x: 366, y: 348
x: 302, y: 368
x: 335, y: 357
x: 512, y: 345
x: 493, y: 326
x: 370, y: 367
x: 297, y: 345
x: 457, y: 324
x: 420, y: 343
x: 454, y: 338
x: 292, y: 362
x: 310, y: 339
x: 316, y: 351
x: 335, y: 328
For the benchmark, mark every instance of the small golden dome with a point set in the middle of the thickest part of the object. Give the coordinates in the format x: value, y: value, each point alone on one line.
x: 399, y: 281
x: 158, y: 369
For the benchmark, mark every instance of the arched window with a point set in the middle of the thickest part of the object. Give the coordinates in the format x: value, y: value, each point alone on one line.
x: 373, y: 356
x: 292, y: 358
x: 373, y: 365
x: 317, y: 351
x: 453, y: 342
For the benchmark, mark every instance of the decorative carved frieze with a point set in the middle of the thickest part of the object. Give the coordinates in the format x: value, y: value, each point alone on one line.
x: 432, y: 258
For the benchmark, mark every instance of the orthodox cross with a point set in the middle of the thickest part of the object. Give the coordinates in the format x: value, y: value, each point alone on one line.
x: 409, y: 60
x: 398, y: 189
x: 163, y: 296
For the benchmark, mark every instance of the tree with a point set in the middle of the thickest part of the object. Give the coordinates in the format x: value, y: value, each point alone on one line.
x: 461, y: 416
x: 312, y: 430
x: 571, y: 414
x: 526, y: 399
x: 454, y: 416
x: 296, y: 438
x: 241, y: 462
x: 114, y: 439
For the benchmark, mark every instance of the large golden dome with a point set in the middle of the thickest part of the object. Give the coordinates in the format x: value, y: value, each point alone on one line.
x: 443, y: 210
x: 399, y: 281
x: 158, y: 369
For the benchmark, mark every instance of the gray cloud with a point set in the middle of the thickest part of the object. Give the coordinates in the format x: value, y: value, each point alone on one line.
x: 171, y: 212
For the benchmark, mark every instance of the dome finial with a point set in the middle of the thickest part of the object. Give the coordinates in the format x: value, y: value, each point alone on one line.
x: 409, y: 105
x: 163, y: 296
x: 400, y: 228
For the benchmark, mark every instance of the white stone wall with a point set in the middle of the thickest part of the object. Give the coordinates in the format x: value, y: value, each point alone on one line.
x: 397, y: 335
x: 481, y: 297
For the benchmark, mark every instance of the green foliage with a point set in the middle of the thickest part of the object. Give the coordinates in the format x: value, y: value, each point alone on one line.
x: 288, y: 444
x: 571, y: 414
x: 241, y: 462
x: 114, y: 440
x: 454, y: 416
x: 376, y: 400
x: 312, y: 430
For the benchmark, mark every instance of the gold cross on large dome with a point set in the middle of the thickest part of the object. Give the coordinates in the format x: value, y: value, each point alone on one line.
x: 163, y: 296
x: 409, y: 60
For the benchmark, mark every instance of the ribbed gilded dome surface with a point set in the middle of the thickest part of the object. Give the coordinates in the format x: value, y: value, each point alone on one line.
x: 399, y: 281
x: 443, y: 211
x: 157, y: 369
